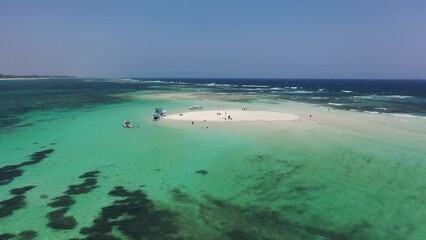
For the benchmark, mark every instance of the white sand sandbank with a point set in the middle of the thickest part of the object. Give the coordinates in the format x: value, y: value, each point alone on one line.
x: 235, y: 116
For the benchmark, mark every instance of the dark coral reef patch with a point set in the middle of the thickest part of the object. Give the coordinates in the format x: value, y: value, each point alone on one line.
x: 119, y: 191
x: 10, y: 172
x: 62, y: 201
x: 90, y: 174
x: 38, y: 157
x: 6, y: 236
x: 135, y: 216
x: 8, y: 206
x: 262, y: 223
x: 87, y: 186
x: 58, y: 220
x: 27, y: 235
x: 201, y: 172
x: 20, y: 191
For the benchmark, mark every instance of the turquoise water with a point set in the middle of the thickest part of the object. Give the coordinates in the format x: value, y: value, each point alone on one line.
x: 340, y: 175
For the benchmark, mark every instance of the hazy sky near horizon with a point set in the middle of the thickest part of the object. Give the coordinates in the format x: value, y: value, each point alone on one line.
x: 193, y: 38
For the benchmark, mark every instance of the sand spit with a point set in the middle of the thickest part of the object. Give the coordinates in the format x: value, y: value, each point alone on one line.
x: 233, y: 115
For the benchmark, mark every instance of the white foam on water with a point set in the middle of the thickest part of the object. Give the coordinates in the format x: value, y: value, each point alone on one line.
x: 399, y: 96
x: 404, y: 115
x: 262, y: 86
x: 371, y: 112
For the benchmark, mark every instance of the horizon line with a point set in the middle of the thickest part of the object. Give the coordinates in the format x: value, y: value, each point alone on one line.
x: 239, y: 78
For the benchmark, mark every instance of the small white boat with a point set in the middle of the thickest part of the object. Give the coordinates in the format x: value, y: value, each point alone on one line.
x: 127, y: 124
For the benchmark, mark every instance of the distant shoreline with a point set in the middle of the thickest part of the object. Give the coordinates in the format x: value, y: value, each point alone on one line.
x: 31, y: 77
x: 34, y: 78
x: 23, y: 78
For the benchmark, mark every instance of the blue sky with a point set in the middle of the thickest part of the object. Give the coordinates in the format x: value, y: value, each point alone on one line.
x: 256, y: 39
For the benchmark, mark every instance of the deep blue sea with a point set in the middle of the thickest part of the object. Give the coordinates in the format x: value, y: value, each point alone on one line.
x: 382, y: 96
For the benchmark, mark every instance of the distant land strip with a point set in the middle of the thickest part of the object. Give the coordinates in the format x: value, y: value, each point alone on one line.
x: 34, y: 76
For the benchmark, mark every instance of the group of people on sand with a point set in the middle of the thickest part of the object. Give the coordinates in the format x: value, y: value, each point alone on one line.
x: 244, y: 109
x: 225, y: 118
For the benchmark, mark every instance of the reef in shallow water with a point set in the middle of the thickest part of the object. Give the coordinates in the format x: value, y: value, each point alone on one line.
x: 20, y: 191
x: 278, y: 205
x: 10, y: 172
x: 222, y: 219
x: 135, y: 216
x: 8, y: 206
x: 201, y: 172
x: 6, y: 236
x: 27, y: 235
x: 87, y: 186
x: 90, y: 174
x: 62, y: 201
x: 57, y: 218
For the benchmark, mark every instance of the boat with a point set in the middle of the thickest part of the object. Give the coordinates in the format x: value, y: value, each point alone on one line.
x: 156, y: 117
x: 196, y: 107
x: 127, y: 124
x: 160, y: 111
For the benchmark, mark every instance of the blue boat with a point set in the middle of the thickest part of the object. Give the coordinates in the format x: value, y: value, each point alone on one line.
x: 160, y: 111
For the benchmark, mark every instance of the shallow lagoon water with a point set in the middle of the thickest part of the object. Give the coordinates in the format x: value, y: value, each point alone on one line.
x: 307, y: 179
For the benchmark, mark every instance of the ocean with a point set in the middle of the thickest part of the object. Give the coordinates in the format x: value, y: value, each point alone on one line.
x: 352, y: 167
